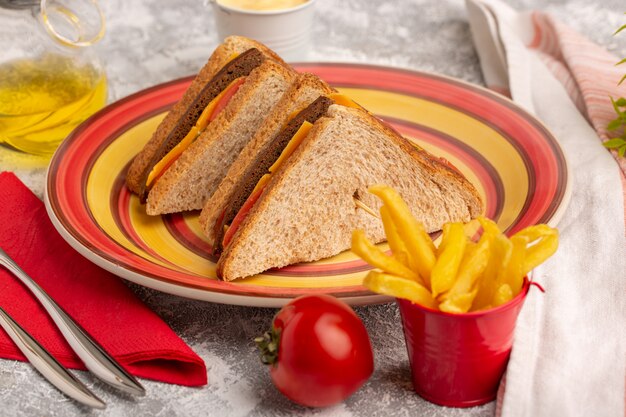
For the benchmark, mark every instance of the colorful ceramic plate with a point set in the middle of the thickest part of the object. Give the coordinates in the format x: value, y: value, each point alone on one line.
x: 516, y: 164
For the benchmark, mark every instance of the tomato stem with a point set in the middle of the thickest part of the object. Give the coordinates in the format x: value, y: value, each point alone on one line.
x: 268, y: 345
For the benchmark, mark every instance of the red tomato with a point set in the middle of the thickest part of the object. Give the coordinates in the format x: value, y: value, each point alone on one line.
x: 240, y: 217
x: 221, y: 105
x: 323, y: 351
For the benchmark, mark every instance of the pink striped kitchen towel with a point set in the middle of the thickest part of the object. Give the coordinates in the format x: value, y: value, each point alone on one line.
x: 569, y: 354
x: 586, y: 70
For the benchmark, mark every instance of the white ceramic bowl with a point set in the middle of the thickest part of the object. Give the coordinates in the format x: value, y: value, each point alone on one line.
x: 286, y: 31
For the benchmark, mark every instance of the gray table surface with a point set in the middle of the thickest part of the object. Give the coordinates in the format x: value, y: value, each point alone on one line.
x: 149, y: 42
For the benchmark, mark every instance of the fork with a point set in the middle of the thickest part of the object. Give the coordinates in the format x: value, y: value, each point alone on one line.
x: 95, y: 358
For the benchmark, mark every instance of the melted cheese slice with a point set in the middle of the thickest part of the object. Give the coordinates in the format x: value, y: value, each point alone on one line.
x: 294, y: 142
x: 343, y: 100
x: 201, y: 124
x: 262, y: 183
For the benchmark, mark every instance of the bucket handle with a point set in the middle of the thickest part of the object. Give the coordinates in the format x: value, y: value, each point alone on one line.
x: 536, y: 284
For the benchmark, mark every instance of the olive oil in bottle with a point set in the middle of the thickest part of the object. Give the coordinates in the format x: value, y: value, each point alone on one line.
x: 42, y: 100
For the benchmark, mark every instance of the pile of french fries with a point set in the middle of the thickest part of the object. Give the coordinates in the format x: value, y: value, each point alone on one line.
x: 460, y: 275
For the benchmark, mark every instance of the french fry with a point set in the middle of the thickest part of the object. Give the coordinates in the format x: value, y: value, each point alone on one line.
x: 472, y: 266
x: 450, y: 254
x: 503, y: 294
x: 459, y: 275
x: 378, y: 259
x: 396, y: 244
x: 512, y: 273
x: 399, y: 287
x: 489, y: 226
x: 458, y: 303
x: 420, y: 247
x: 471, y: 228
x: 543, y: 241
x: 403, y: 258
x: 501, y: 248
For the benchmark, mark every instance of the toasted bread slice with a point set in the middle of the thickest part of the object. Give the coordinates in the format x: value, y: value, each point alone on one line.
x: 233, y: 45
x: 307, y: 211
x: 195, y: 175
x: 305, y: 89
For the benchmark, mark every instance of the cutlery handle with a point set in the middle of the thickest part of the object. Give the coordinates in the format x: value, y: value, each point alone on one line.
x: 45, y: 363
x: 88, y: 350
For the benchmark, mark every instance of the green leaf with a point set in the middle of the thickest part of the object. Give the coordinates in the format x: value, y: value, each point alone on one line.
x: 614, y: 124
x: 614, y: 143
x: 622, y: 80
x: 621, y: 102
x: 614, y: 103
x: 620, y: 29
x: 621, y: 62
x: 621, y: 151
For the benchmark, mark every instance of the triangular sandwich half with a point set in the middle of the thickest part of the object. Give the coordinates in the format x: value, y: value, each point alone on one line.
x: 304, y: 209
x: 213, y: 121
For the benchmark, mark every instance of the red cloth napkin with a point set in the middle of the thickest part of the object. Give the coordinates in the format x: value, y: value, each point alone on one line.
x: 96, y: 299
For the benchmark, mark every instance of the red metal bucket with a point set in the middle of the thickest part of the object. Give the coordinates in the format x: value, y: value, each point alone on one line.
x: 457, y: 360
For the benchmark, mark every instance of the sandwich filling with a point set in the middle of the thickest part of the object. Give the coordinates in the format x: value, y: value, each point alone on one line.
x: 268, y: 161
x: 241, y: 215
x: 211, y: 100
x: 208, y: 115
